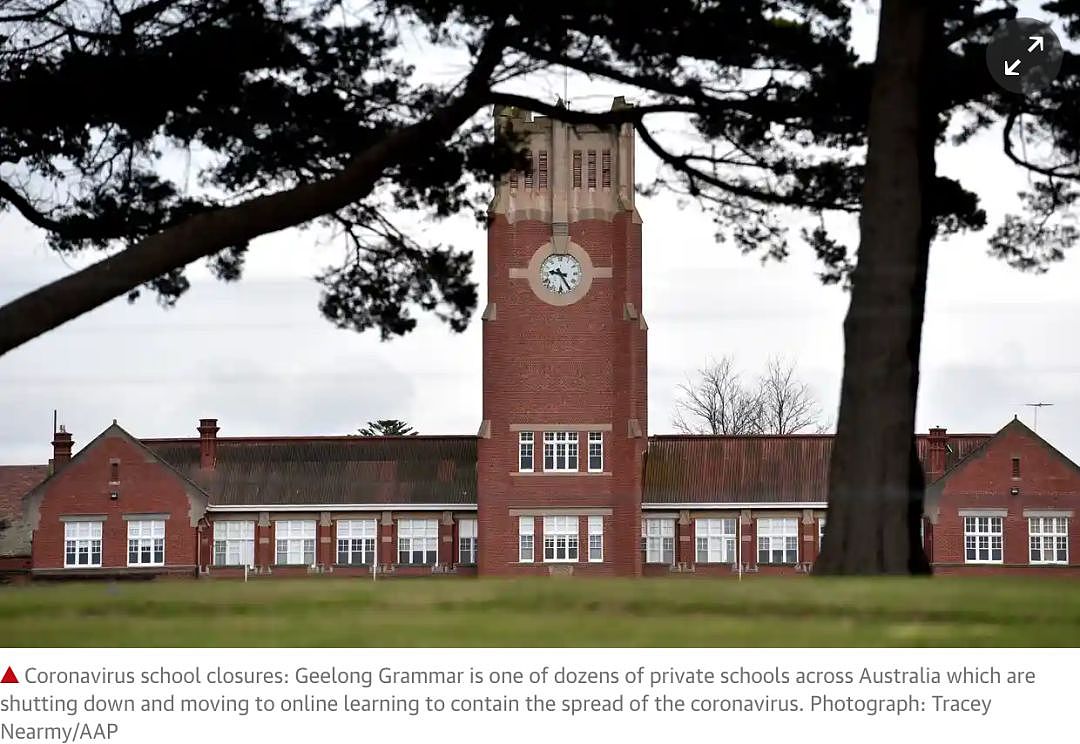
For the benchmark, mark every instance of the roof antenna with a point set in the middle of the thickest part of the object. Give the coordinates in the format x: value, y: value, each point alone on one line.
x: 1036, y: 407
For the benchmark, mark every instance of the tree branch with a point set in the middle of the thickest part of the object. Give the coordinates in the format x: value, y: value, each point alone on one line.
x: 33, y: 15
x: 681, y: 164
x: 206, y: 234
x: 1062, y: 171
x: 23, y: 206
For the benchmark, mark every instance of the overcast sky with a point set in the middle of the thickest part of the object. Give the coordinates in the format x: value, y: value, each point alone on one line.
x: 258, y: 356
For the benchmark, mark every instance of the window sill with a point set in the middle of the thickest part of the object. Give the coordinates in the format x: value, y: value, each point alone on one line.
x: 83, y: 565
x: 232, y: 565
x: 558, y: 473
x: 295, y: 565
x: 759, y: 563
x: 415, y: 565
x: 146, y: 565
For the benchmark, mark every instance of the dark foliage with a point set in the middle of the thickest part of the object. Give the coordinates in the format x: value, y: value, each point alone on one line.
x: 122, y: 120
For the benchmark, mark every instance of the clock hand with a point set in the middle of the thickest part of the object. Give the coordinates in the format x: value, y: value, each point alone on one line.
x: 565, y: 283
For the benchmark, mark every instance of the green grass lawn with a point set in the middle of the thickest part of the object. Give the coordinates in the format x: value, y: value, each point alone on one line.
x: 546, y: 612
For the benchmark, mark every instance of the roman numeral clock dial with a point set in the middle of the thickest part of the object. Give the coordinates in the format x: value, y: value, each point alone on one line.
x: 560, y: 273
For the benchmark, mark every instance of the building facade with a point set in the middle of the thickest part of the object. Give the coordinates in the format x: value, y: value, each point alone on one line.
x: 561, y: 478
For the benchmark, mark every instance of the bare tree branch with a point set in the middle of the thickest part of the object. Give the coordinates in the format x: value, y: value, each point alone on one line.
x: 717, y: 402
x: 788, y: 405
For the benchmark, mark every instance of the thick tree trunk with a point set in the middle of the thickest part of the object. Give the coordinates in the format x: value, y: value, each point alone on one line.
x: 876, y: 485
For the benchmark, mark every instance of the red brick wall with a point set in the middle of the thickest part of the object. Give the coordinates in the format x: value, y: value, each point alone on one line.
x: 1046, y: 482
x: 83, y: 487
x: 583, y: 363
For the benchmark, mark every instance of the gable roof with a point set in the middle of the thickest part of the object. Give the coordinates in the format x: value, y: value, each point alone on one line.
x: 16, y: 539
x: 771, y: 469
x: 1015, y: 426
x: 300, y: 471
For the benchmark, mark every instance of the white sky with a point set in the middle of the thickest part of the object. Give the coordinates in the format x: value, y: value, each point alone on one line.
x: 258, y: 355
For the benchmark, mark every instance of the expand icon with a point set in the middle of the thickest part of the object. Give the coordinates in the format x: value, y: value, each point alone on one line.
x: 1024, y: 56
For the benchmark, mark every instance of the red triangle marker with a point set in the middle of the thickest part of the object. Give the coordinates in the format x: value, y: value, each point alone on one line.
x: 9, y: 677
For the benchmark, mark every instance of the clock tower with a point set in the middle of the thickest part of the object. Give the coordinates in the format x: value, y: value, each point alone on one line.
x: 564, y: 430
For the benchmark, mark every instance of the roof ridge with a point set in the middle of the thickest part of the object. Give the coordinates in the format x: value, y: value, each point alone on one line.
x: 309, y: 438
x: 790, y: 436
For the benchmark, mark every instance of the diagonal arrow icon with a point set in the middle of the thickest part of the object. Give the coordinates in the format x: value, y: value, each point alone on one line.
x: 1010, y: 69
x: 1036, y: 43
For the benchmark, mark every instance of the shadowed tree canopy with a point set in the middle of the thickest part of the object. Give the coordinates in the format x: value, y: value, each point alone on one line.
x: 387, y: 428
x: 155, y: 133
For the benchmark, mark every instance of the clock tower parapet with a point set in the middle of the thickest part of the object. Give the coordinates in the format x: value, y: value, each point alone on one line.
x: 576, y: 171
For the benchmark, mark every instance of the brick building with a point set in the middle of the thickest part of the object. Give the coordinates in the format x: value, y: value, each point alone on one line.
x: 561, y: 477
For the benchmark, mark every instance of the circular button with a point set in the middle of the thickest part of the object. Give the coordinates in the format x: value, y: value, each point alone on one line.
x: 1024, y: 56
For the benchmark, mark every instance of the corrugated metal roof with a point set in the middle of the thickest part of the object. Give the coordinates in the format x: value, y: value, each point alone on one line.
x: 757, y: 469
x: 958, y: 447
x: 330, y: 470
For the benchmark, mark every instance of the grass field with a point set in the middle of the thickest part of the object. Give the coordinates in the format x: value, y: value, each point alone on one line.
x: 546, y: 612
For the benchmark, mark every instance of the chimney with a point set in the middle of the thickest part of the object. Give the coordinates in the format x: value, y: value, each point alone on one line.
x: 208, y: 430
x: 61, y: 448
x: 935, y: 466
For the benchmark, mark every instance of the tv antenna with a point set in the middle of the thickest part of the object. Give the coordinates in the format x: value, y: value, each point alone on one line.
x: 1035, y: 407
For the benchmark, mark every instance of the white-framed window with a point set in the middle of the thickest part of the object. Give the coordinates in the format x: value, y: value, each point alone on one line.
x: 1048, y: 539
x: 467, y: 542
x: 234, y: 543
x: 356, y: 540
x: 418, y: 541
x: 820, y: 532
x: 146, y: 542
x: 82, y: 544
x: 596, y: 451
x: 596, y: 539
x: 658, y: 540
x: 560, y: 451
x: 715, y: 540
x: 526, y: 546
x: 525, y: 452
x: 778, y: 540
x: 295, y: 542
x: 983, y: 539
x: 560, y: 539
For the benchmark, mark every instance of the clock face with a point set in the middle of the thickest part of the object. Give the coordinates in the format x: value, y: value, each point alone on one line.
x: 560, y: 273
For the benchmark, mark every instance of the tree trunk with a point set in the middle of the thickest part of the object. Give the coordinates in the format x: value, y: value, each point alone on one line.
x: 876, y: 484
